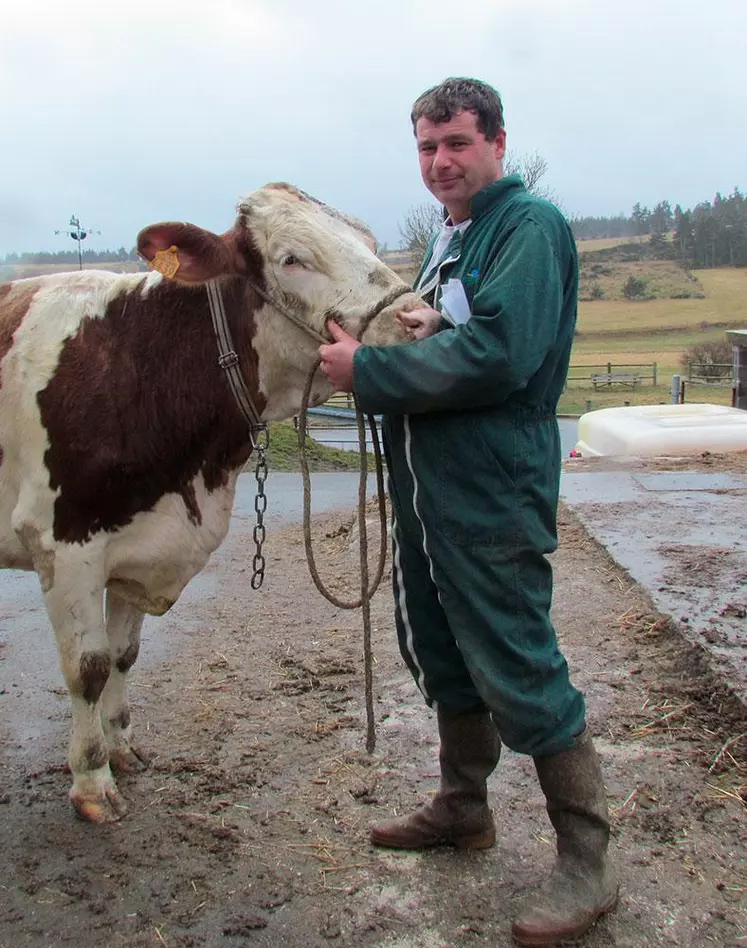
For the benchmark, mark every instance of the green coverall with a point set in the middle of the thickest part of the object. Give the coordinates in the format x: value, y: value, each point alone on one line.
x: 473, y: 453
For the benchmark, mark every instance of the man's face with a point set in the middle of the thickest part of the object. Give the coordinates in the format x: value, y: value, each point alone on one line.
x: 457, y: 161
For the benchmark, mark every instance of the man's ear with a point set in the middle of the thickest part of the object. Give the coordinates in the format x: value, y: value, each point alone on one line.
x: 187, y: 253
x: 500, y: 144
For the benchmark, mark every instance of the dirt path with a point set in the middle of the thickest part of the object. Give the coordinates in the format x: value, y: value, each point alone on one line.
x: 250, y: 827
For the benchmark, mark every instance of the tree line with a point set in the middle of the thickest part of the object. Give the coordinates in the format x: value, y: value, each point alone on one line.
x: 640, y: 222
x: 712, y: 234
x: 71, y: 256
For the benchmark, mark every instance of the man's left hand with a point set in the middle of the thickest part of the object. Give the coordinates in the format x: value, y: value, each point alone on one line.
x: 337, y: 358
x: 419, y: 322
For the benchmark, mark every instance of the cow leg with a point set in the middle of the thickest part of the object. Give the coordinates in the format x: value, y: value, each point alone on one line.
x: 123, y: 624
x: 75, y: 602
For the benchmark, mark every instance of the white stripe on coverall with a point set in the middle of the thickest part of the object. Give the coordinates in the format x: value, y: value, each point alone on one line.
x: 404, y: 614
x: 399, y: 579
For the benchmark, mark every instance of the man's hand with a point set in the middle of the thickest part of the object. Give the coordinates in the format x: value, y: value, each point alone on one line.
x: 337, y: 358
x: 419, y: 323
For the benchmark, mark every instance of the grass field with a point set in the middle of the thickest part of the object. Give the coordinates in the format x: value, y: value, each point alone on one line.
x: 625, y: 332
x: 578, y: 399
x: 723, y: 306
x: 605, y: 243
x: 665, y: 324
x: 284, y: 453
x: 661, y: 279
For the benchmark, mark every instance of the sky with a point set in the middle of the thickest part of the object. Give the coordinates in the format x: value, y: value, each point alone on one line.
x: 139, y: 111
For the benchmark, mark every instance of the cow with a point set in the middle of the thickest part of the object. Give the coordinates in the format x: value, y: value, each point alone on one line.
x: 122, y: 438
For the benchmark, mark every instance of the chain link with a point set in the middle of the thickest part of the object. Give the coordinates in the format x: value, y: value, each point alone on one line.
x: 261, y: 443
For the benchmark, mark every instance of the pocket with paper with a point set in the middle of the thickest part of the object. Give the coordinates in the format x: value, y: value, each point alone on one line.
x: 454, y: 302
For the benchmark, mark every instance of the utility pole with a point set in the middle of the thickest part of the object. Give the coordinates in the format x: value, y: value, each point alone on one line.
x: 79, y: 234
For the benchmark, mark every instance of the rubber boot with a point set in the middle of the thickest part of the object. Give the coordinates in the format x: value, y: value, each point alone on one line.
x: 458, y: 815
x: 581, y: 886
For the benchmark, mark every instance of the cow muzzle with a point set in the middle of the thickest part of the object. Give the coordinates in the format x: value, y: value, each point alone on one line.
x: 375, y: 329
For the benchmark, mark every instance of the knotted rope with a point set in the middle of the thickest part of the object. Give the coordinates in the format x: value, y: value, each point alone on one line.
x: 367, y: 591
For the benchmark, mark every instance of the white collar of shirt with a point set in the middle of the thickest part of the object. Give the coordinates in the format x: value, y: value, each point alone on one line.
x: 444, y: 237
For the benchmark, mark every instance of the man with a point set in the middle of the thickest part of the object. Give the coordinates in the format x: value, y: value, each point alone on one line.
x: 473, y: 454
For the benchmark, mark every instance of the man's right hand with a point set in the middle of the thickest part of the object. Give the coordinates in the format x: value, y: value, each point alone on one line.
x: 420, y: 323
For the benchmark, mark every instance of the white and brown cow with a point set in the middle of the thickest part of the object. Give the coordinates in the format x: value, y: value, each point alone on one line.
x: 121, y: 441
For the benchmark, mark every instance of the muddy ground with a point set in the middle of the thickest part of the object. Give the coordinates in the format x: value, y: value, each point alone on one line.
x: 250, y: 827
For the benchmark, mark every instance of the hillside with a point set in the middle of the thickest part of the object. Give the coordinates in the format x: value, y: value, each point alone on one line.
x: 625, y: 294
x: 675, y: 310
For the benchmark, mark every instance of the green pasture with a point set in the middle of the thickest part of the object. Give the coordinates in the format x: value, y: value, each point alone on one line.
x: 626, y: 333
x: 284, y: 452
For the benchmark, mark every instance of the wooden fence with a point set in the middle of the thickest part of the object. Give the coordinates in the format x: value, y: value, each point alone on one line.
x: 611, y: 375
x: 718, y: 374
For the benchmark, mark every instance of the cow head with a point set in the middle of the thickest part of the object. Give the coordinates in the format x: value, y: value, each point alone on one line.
x: 310, y: 258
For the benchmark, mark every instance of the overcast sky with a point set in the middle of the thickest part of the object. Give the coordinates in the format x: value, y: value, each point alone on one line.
x: 131, y: 112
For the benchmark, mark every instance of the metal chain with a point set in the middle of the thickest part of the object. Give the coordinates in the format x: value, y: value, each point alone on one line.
x: 261, y: 444
x: 259, y: 433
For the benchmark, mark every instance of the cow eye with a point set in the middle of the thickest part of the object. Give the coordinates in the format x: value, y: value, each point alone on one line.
x: 290, y: 261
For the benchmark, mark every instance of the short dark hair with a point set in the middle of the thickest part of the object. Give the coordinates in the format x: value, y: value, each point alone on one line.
x: 455, y: 95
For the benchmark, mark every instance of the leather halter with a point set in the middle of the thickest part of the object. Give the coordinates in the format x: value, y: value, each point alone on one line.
x: 228, y: 358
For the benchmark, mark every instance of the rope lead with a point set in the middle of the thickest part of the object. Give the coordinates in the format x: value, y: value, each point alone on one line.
x: 367, y: 591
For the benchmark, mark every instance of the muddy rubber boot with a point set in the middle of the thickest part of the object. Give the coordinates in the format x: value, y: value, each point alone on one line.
x: 458, y: 815
x: 581, y: 886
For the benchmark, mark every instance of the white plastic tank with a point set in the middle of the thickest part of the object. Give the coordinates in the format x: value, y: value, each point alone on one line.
x: 662, y: 430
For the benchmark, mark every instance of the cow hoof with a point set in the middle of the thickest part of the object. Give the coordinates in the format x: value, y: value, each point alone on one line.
x: 107, y: 809
x: 127, y: 760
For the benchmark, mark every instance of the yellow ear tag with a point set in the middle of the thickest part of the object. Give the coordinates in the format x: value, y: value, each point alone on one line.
x: 166, y: 262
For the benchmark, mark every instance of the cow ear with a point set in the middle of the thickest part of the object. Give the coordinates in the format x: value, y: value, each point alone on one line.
x: 187, y: 253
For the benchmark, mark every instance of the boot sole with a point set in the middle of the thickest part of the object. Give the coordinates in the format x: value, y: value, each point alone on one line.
x: 544, y: 941
x: 476, y: 841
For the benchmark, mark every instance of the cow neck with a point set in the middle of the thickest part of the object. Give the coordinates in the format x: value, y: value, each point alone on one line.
x: 230, y: 436
x: 228, y: 360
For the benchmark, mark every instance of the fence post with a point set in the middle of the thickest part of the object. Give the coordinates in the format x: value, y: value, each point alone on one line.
x: 588, y: 404
x: 655, y: 374
x: 739, y: 373
x: 676, y: 381
x: 609, y: 368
